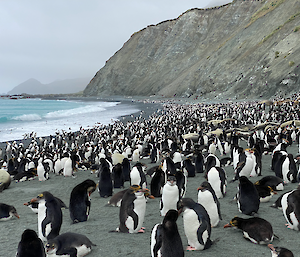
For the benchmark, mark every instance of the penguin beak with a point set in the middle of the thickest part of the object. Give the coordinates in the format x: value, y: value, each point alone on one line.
x: 33, y: 200
x: 271, y: 247
x: 200, y: 188
x: 227, y: 225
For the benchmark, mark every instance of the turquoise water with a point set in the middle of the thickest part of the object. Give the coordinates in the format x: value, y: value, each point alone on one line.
x: 21, y: 117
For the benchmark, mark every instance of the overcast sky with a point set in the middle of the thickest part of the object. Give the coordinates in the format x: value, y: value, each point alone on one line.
x: 63, y: 39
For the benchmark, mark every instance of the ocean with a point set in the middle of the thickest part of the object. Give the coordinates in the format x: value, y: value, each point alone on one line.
x: 20, y: 117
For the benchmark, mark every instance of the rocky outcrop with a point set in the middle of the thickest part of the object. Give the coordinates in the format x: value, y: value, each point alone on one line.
x: 242, y: 49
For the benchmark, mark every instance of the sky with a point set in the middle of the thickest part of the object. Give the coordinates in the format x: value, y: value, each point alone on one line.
x: 64, y: 39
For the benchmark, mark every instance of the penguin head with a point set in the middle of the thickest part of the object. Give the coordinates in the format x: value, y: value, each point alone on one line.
x: 29, y: 235
x: 280, y: 251
x: 51, y: 246
x: 186, y: 203
x: 235, y: 222
x: 171, y: 180
x: 12, y: 211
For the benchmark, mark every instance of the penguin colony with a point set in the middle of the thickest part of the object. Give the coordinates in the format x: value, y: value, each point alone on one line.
x: 219, y: 149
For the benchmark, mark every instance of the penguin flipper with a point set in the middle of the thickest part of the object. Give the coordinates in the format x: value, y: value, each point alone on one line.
x: 158, y: 240
x: 70, y: 251
x: 135, y: 218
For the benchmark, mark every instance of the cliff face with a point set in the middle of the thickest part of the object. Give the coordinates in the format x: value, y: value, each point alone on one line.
x: 243, y: 49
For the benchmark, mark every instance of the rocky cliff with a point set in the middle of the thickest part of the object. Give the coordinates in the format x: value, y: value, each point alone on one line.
x: 242, y: 49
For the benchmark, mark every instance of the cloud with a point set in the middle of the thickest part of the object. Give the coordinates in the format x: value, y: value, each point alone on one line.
x: 50, y: 40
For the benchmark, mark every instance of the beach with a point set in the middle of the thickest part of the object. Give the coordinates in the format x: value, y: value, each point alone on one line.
x: 103, y: 218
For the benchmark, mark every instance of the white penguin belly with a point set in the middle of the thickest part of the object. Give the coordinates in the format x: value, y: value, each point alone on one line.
x: 41, y: 217
x: 214, y: 179
x: 207, y: 201
x: 68, y: 168
x: 135, y: 176
x: 170, y: 198
x: 246, y: 171
x: 285, y: 170
x: 191, y: 225
x: 139, y: 209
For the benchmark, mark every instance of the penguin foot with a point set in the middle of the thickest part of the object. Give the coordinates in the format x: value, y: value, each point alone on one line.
x: 190, y: 248
x: 288, y: 226
x: 142, y: 230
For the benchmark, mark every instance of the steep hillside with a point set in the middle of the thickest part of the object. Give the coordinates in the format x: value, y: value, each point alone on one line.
x: 242, y: 49
x: 65, y: 86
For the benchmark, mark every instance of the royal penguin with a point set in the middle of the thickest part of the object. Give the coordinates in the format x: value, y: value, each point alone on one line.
x: 157, y: 182
x: 7, y: 212
x: 165, y: 238
x: 132, y: 210
x: 277, y: 251
x: 255, y: 229
x: 80, y: 202
x: 208, y: 199
x: 137, y: 175
x: 247, y: 197
x: 117, y: 176
x: 30, y: 245
x: 217, y: 178
x: 49, y: 216
x: 290, y: 203
x: 197, y: 226
x: 170, y: 196
x: 189, y: 168
x: 274, y: 182
x: 126, y: 169
x: 69, y: 244
x: 265, y: 192
x: 43, y: 171
x: 105, y: 185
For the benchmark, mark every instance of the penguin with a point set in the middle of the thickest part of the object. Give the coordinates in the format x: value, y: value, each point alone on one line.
x: 30, y: 245
x: 216, y: 176
x: 265, y: 192
x: 43, y: 171
x: 181, y: 182
x: 49, y: 216
x: 188, y: 168
x: 69, y: 244
x: 245, y: 164
x: 247, y: 197
x: 211, y: 161
x: 137, y: 175
x: 5, y: 180
x: 117, y: 176
x: 105, y: 185
x: 80, y: 202
x: 157, y: 182
x: 280, y: 251
x: 68, y: 167
x: 208, y: 199
x: 126, y: 169
x: 290, y: 203
x: 132, y: 210
x: 197, y: 226
x: 170, y: 196
x: 284, y: 166
x: 274, y: 182
x: 165, y: 238
x: 154, y: 155
x: 255, y: 229
x: 7, y: 212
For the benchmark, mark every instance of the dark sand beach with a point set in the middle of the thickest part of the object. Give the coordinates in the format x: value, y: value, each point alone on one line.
x: 103, y: 218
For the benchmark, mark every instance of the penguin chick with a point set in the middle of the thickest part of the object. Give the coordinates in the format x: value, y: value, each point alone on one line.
x: 255, y: 229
